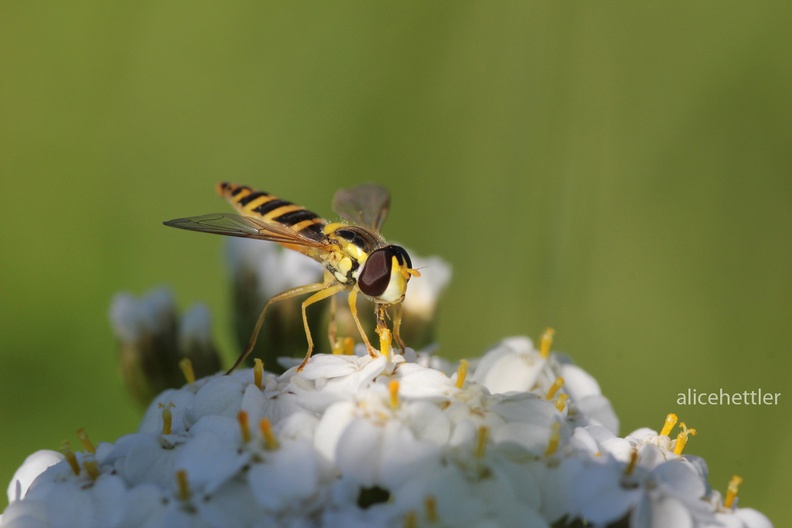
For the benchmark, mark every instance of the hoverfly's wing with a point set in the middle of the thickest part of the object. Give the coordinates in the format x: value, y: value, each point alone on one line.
x: 366, y: 205
x: 245, y: 227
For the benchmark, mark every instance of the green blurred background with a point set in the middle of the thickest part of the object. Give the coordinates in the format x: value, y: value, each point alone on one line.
x: 620, y: 173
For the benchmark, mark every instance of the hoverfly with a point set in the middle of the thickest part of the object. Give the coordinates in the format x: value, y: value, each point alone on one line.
x: 354, y: 254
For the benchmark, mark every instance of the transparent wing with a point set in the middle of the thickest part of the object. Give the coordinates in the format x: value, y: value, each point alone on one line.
x: 244, y: 226
x: 366, y: 205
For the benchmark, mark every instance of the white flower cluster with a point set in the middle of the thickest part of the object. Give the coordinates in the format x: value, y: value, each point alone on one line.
x: 525, y: 440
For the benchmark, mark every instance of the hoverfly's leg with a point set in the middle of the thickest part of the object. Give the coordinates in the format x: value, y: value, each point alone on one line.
x: 353, y: 309
x: 382, y: 330
x: 397, y: 319
x: 332, y: 328
x: 288, y: 294
x: 316, y: 297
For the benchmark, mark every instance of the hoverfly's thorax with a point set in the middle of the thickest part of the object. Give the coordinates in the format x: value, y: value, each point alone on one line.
x: 354, y: 243
x: 385, y: 274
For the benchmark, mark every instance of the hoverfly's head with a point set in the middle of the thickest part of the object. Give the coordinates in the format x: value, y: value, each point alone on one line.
x: 385, y: 275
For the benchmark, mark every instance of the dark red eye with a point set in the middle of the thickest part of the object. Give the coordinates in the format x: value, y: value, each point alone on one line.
x: 375, y: 276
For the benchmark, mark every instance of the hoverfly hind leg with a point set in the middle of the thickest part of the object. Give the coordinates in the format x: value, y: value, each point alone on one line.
x: 288, y: 294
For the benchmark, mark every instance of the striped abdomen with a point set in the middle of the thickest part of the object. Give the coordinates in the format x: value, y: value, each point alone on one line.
x: 272, y: 209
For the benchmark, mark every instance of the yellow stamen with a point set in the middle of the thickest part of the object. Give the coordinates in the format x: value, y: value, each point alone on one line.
x: 682, y: 438
x: 546, y: 342
x: 244, y: 427
x: 167, y: 417
x: 410, y: 520
x: 393, y: 389
x: 270, y: 442
x: 670, y: 421
x: 385, y: 342
x: 92, y: 468
x: 187, y: 370
x: 462, y: 372
x: 633, y: 462
x: 555, y: 438
x: 344, y: 346
x: 85, y: 441
x: 184, y: 486
x: 481, y: 441
x: 430, y: 503
x: 258, y: 373
x: 561, y: 402
x: 71, y: 458
x: 557, y: 384
x: 731, y: 491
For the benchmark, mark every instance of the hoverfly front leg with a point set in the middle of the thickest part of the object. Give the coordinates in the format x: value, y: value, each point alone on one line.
x: 353, y: 310
x: 397, y: 319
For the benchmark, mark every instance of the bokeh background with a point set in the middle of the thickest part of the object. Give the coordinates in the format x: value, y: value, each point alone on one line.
x: 618, y: 172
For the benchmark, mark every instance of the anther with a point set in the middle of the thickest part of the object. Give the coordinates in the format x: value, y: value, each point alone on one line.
x: 731, y: 491
x: 393, y: 389
x: 184, y: 486
x: 557, y: 384
x: 546, y: 342
x: 85, y: 441
x: 92, y: 468
x: 633, y: 462
x: 410, y: 520
x: 561, y: 402
x: 258, y: 373
x: 682, y: 438
x: 244, y: 427
x: 481, y: 441
x: 430, y: 504
x: 167, y: 417
x: 71, y: 458
x: 270, y: 442
x: 555, y: 438
x: 186, y: 367
x: 462, y: 372
x: 670, y: 421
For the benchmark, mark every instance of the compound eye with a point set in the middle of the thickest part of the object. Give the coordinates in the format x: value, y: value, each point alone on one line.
x: 376, y: 273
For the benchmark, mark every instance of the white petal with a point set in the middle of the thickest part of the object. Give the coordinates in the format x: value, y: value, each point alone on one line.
x: 33, y: 466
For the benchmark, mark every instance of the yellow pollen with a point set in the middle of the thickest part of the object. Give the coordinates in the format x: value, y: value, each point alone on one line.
x: 557, y: 384
x: 546, y: 342
x: 244, y: 427
x: 92, y: 468
x: 731, y: 491
x: 410, y: 520
x: 258, y: 373
x: 85, y: 441
x: 430, y: 503
x: 167, y: 417
x: 670, y: 421
x: 184, y: 486
x: 682, y: 438
x: 71, y: 458
x: 633, y: 462
x: 270, y: 442
x: 393, y: 389
x: 481, y: 442
x: 462, y: 372
x: 187, y: 370
x: 555, y: 438
x: 561, y: 402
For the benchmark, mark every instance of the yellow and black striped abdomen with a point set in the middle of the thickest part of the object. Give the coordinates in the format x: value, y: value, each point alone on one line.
x: 272, y: 209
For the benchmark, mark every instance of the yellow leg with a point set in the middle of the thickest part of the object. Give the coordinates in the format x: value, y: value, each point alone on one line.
x: 353, y: 309
x: 316, y: 297
x: 332, y: 328
x: 397, y: 319
x: 288, y: 294
x: 382, y: 330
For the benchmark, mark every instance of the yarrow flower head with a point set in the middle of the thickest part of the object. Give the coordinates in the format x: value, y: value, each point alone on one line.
x: 359, y: 441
